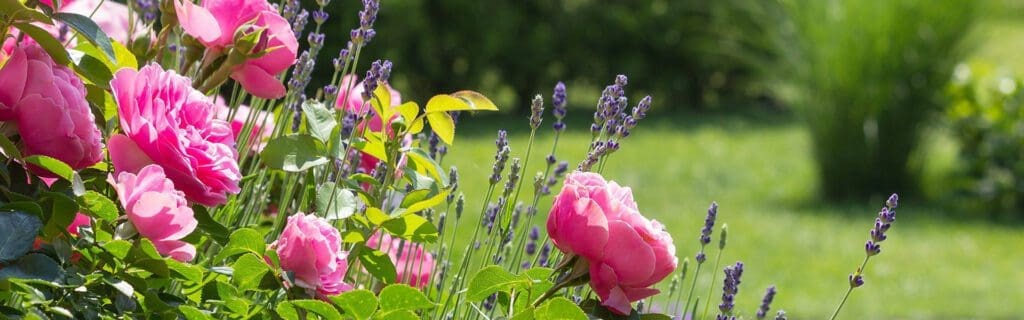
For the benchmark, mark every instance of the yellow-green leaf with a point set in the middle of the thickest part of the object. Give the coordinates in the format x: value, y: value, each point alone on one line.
x: 382, y: 101
x: 443, y: 126
x: 476, y: 100
x: 409, y: 110
x: 444, y: 102
x: 373, y: 145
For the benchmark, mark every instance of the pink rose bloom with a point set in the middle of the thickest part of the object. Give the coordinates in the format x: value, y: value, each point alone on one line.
x: 413, y: 263
x: 262, y: 127
x: 353, y: 102
x: 158, y: 211
x: 214, y: 24
x: 168, y: 123
x: 600, y: 222
x: 81, y: 220
x: 311, y: 248
x: 48, y: 103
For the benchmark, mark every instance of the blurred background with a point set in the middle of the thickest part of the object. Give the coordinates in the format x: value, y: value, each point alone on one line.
x: 797, y: 116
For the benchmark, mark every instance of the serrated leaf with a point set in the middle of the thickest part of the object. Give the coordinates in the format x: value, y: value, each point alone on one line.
x: 33, y: 266
x: 191, y: 313
x: 50, y: 164
x: 559, y: 308
x: 242, y: 241
x: 427, y: 203
x: 381, y: 101
x: 318, y: 307
x: 443, y: 125
x: 376, y: 216
x: 52, y: 46
x: 118, y: 248
x: 373, y: 145
x: 185, y: 271
x: 412, y: 227
x: 423, y: 163
x: 63, y: 210
x: 17, y: 233
x: 88, y: 29
x: 445, y: 103
x: 377, y: 264
x: 360, y: 304
x: 98, y: 206
x: 334, y: 202
x: 409, y: 111
x: 211, y: 227
x: 403, y: 297
x: 319, y: 120
x: 249, y: 270
x: 490, y: 280
x: 399, y: 315
x: 294, y: 153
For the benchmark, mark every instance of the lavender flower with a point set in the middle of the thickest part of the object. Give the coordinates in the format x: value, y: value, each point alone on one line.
x: 545, y: 253
x: 501, y: 157
x: 299, y: 22
x: 536, y: 111
x: 730, y: 287
x: 766, y: 302
x: 367, y: 17
x: 781, y: 315
x: 856, y: 280
x: 513, y: 177
x: 320, y: 16
x: 882, y: 224
x: 379, y: 72
x: 709, y: 224
x: 559, y: 110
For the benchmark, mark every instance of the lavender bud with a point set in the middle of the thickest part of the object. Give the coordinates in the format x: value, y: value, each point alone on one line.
x: 872, y: 248
x: 856, y: 280
x: 534, y: 233
x: 550, y: 159
x: 709, y: 224
x: 766, y: 302
x: 459, y: 205
x: 320, y: 16
x: 893, y: 201
x: 781, y: 315
x: 725, y: 231
x: 536, y: 111
x: 701, y: 257
x: 545, y: 253
x: 621, y: 80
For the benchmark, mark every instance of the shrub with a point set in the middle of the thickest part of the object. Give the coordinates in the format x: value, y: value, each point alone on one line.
x: 987, y: 119
x: 865, y: 75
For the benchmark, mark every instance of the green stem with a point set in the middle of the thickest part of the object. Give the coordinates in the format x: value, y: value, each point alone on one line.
x: 693, y: 284
x: 711, y: 286
x: 849, y: 290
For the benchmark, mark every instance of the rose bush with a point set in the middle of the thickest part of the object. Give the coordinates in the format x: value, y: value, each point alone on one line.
x: 157, y: 210
x: 311, y: 248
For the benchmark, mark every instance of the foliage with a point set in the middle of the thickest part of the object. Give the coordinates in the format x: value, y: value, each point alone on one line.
x: 866, y: 76
x: 986, y: 116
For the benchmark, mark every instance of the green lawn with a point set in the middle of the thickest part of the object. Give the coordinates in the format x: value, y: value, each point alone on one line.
x: 758, y: 168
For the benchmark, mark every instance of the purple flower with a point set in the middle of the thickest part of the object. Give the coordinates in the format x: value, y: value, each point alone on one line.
x: 709, y: 224
x: 731, y: 286
x: 536, y: 111
x: 766, y: 302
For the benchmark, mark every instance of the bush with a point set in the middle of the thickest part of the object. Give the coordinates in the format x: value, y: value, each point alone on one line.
x: 865, y: 75
x: 987, y: 119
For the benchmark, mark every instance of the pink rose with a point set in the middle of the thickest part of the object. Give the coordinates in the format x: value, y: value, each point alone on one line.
x: 413, y: 263
x: 157, y: 210
x: 48, y: 102
x: 600, y: 222
x: 81, y: 220
x: 311, y: 248
x: 168, y: 123
x: 262, y: 127
x: 352, y: 101
x: 214, y: 24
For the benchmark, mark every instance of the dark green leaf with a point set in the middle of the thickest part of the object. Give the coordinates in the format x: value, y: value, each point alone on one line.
x: 9, y: 148
x: 18, y: 231
x: 88, y: 29
x: 123, y: 287
x: 47, y: 41
x: 185, y: 271
x: 33, y: 266
x: 294, y: 153
x: 62, y: 211
x: 92, y: 69
x: 360, y: 304
x: 334, y: 202
x: 214, y: 229
x: 412, y: 227
x: 403, y: 297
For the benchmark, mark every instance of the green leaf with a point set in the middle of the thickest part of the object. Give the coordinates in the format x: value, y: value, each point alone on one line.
x: 360, y: 304
x: 319, y: 120
x: 192, y: 313
x: 376, y: 216
x: 9, y: 149
x: 443, y: 126
x: 88, y: 29
x: 120, y: 285
x: 98, y: 206
x: 17, y: 11
x: 399, y: 315
x: 378, y: 264
x: 372, y: 144
x: 445, y: 103
x: 318, y: 307
x: 334, y: 202
x: 92, y: 69
x: 249, y: 270
x: 52, y: 46
x: 125, y: 57
x: 242, y: 241
x: 403, y: 297
x: 185, y: 271
x: 62, y: 212
x: 382, y: 101
x: 412, y: 227
x: 33, y: 266
x: 55, y: 166
x: 427, y: 203
x: 18, y: 231
x: 286, y: 311
x: 214, y: 229
x: 490, y: 280
x: 559, y: 308
x: 294, y: 153
x: 476, y: 100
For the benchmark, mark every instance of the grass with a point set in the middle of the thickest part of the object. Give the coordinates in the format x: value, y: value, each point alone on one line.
x: 759, y: 169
